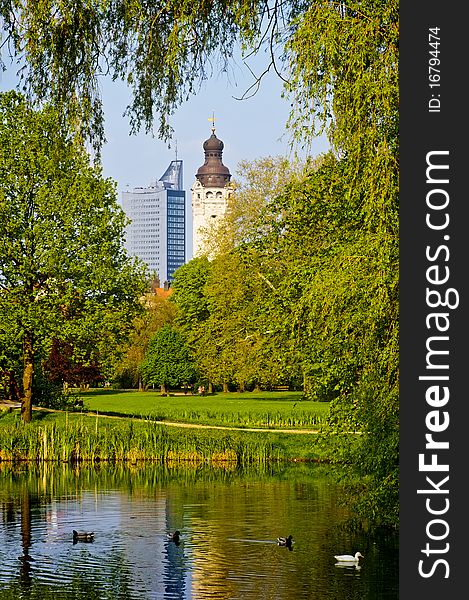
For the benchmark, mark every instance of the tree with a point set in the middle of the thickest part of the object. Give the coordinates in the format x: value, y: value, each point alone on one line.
x: 64, y: 273
x: 337, y: 277
x: 163, y: 51
x: 257, y: 183
x: 335, y: 58
x: 157, y: 312
x: 167, y: 361
x: 188, y: 295
x: 61, y: 368
x: 222, y: 313
x: 239, y: 342
x: 250, y: 318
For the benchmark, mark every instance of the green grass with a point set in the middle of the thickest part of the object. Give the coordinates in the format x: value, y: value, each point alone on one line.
x: 72, y: 437
x: 76, y: 437
x: 252, y: 409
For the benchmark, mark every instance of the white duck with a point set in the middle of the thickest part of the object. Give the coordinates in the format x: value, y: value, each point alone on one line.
x: 348, y: 558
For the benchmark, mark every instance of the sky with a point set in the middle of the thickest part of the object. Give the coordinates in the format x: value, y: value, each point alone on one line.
x: 250, y: 129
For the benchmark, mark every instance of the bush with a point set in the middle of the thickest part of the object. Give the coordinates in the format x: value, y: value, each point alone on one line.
x: 50, y: 395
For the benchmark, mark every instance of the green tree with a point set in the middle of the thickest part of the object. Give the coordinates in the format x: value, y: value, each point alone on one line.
x: 343, y: 61
x: 188, y: 295
x: 240, y: 341
x: 221, y: 312
x: 163, y: 51
x: 157, y: 312
x: 337, y: 279
x: 257, y: 183
x: 344, y: 75
x: 167, y: 362
x: 338, y: 60
x: 245, y: 286
x: 63, y: 271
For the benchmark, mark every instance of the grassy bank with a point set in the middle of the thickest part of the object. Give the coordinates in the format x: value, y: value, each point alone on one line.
x: 250, y: 409
x: 76, y: 437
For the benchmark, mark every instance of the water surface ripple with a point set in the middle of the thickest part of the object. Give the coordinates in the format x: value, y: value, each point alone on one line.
x: 229, y: 524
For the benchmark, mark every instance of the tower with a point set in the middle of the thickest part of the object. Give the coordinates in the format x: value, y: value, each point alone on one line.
x: 210, y: 191
x: 157, y: 232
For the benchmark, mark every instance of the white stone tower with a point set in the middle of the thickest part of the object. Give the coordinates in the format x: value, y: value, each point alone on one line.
x: 210, y: 192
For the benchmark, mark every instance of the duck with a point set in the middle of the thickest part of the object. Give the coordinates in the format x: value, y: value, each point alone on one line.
x: 83, y: 536
x: 285, y: 541
x: 174, y: 537
x: 349, y: 558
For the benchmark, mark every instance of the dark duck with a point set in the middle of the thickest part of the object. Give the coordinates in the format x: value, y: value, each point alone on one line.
x: 83, y: 536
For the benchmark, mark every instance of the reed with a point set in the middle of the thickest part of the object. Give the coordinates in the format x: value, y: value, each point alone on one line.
x: 78, y: 438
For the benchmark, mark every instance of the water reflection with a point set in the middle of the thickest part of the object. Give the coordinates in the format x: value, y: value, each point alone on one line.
x: 229, y: 523
x: 25, y: 558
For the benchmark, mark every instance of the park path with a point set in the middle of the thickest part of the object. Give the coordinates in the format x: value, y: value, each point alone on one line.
x: 228, y: 428
x: 200, y: 426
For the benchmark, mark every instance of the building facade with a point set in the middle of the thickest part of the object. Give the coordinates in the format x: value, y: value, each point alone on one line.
x: 157, y: 232
x: 210, y: 193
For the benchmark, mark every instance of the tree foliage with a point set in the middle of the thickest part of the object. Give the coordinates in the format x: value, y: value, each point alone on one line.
x: 157, y: 312
x: 162, y: 50
x: 341, y: 287
x: 64, y: 273
x: 167, y: 361
x: 338, y: 60
x: 188, y: 295
x: 61, y: 367
x: 226, y: 307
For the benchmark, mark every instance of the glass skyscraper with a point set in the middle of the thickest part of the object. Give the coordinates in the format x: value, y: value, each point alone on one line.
x: 157, y: 232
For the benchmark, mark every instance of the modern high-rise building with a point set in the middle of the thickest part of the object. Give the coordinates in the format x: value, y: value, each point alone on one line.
x: 157, y: 232
x: 210, y: 192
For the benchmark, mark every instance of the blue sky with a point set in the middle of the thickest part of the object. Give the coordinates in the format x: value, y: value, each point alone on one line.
x: 250, y: 129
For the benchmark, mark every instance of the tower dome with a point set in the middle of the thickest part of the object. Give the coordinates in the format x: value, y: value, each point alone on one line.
x: 213, y: 172
x: 213, y: 144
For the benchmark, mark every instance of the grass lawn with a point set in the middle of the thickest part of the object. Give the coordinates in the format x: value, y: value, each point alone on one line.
x: 249, y: 409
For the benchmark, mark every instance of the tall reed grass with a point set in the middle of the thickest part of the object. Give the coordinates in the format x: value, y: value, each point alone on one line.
x: 77, y: 438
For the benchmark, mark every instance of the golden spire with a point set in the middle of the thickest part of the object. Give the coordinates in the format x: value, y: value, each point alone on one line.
x: 212, y: 119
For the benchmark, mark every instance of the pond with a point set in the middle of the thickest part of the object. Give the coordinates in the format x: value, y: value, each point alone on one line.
x: 229, y: 521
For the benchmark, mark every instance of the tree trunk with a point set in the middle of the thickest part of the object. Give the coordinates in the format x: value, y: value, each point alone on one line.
x: 163, y: 389
x: 210, y: 387
x: 225, y: 387
x: 306, y: 385
x: 28, y: 376
x: 14, y: 393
